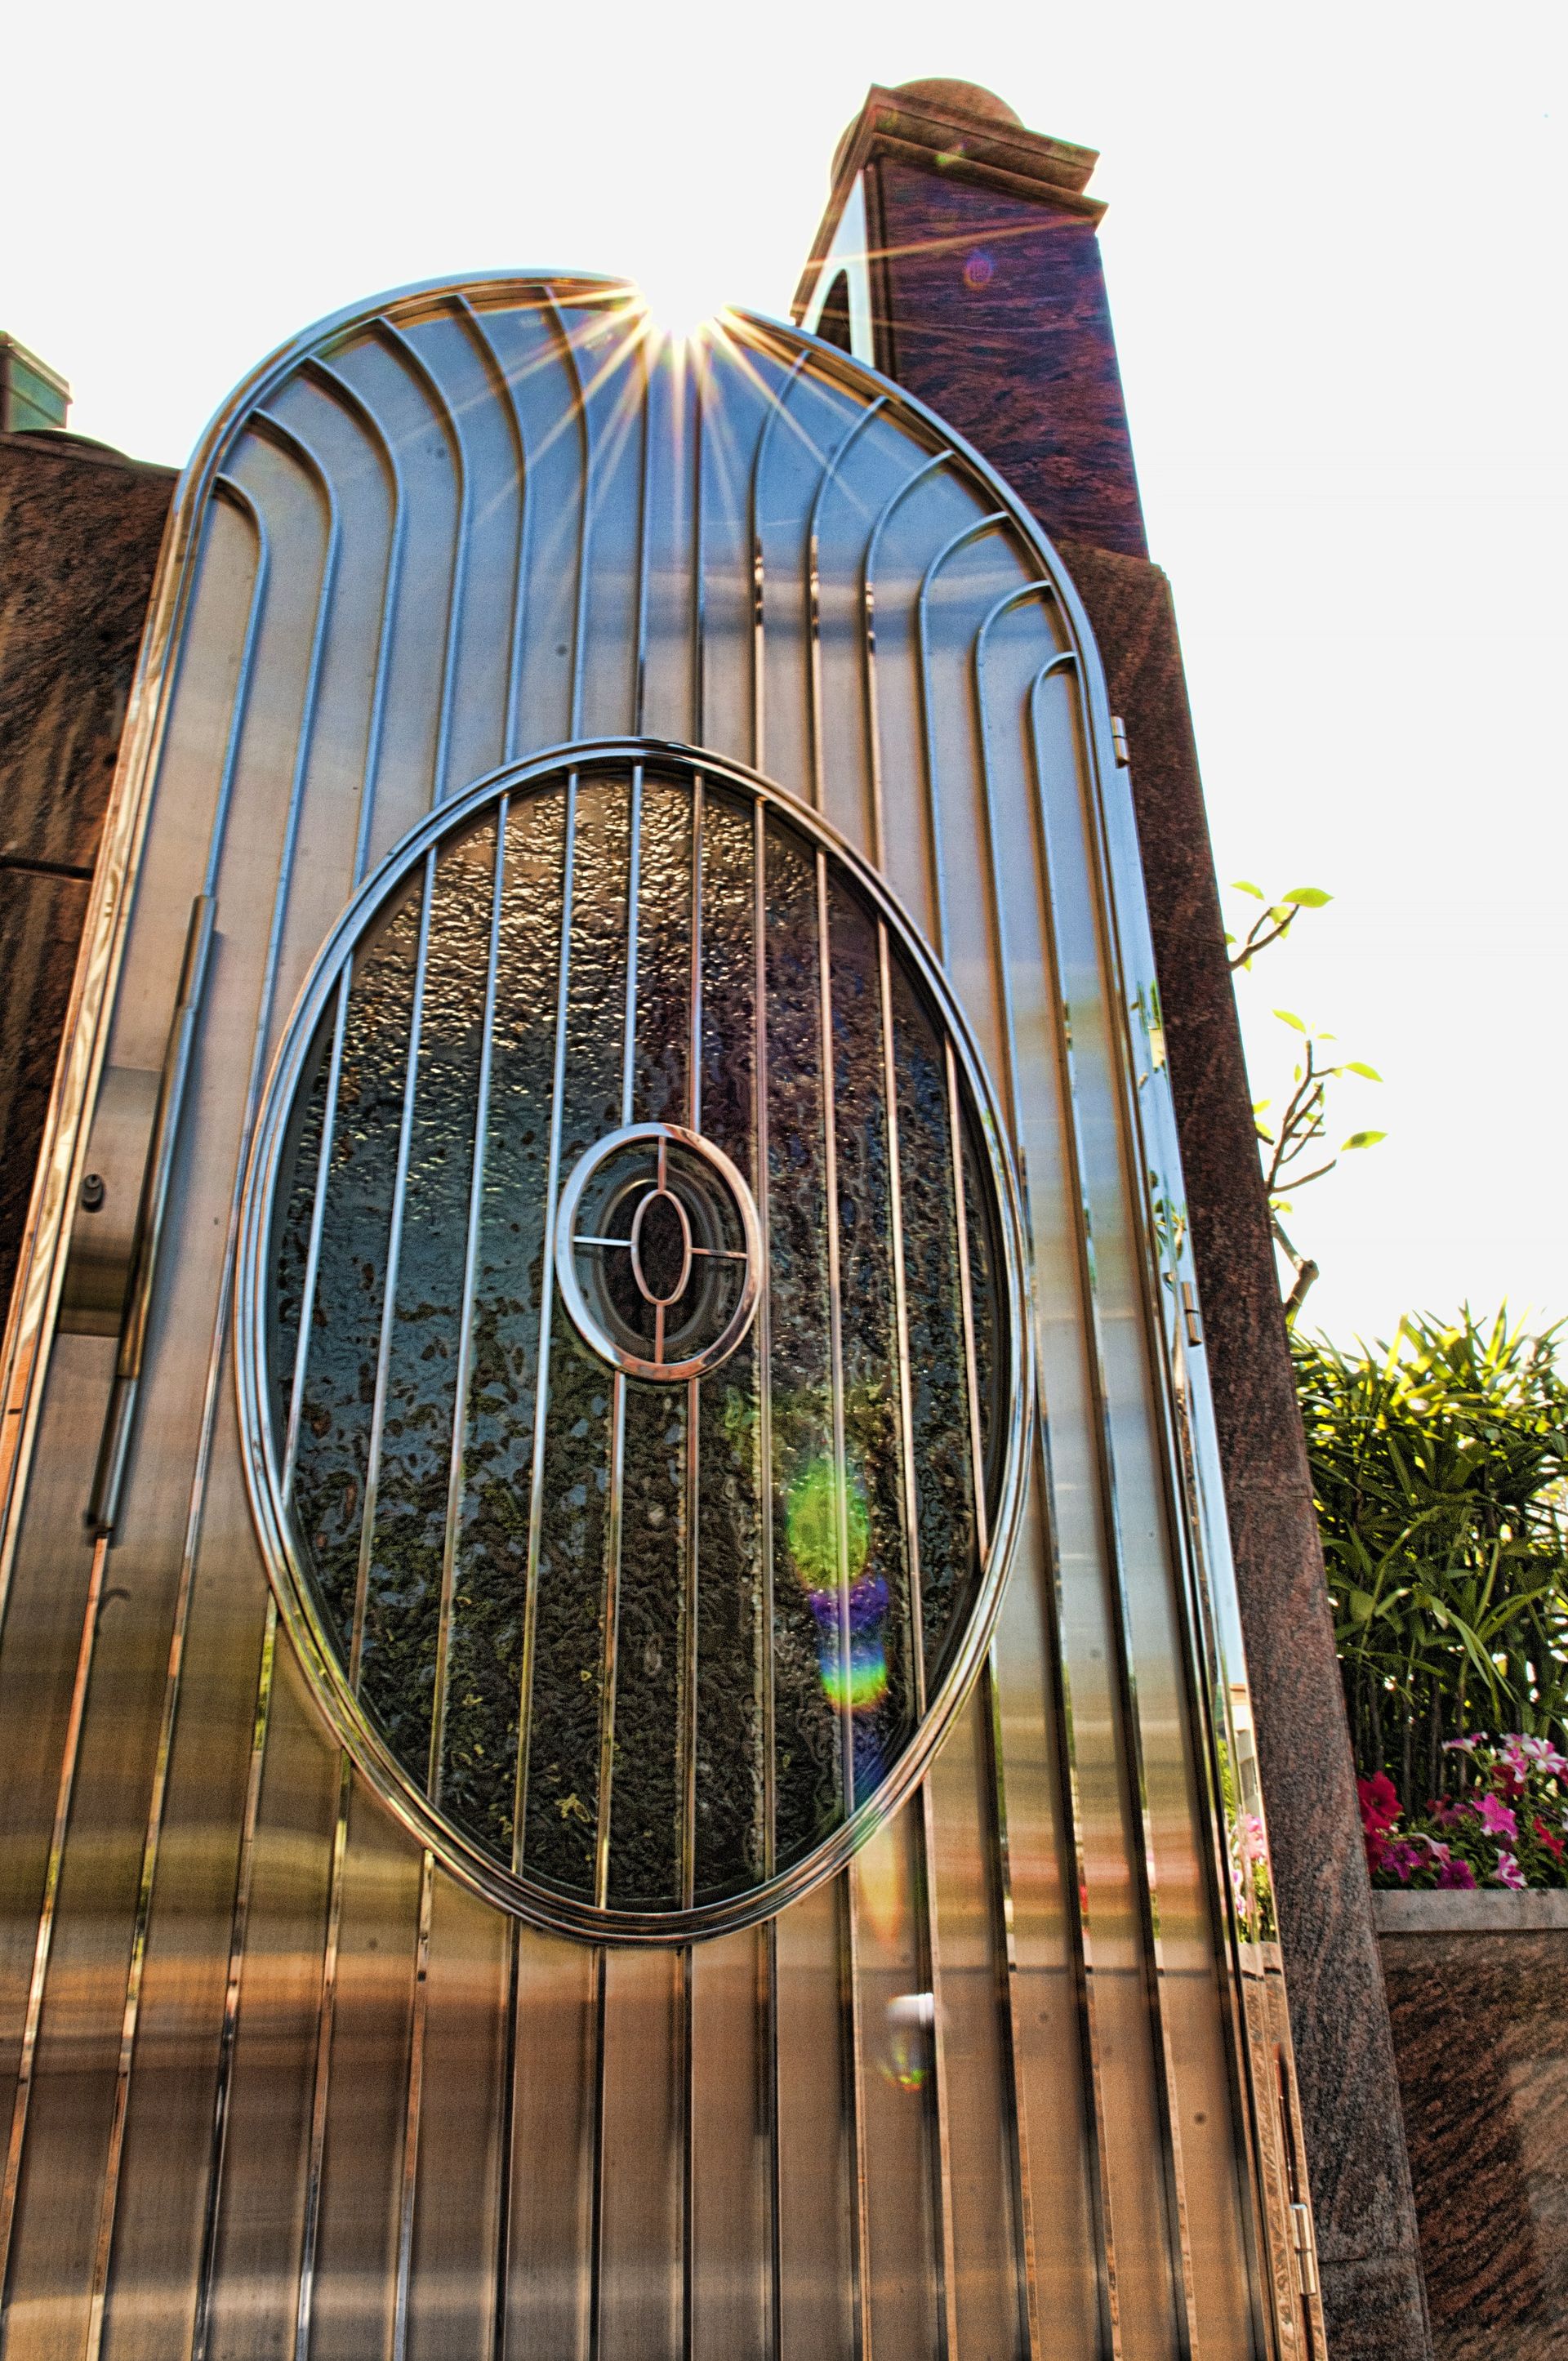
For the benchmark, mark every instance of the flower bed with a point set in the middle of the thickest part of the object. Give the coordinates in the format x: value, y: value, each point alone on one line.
x: 1506, y: 1826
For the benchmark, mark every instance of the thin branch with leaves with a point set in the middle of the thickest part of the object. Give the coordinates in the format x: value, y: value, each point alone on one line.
x: 1298, y: 1133
x: 1276, y: 921
x: 1301, y: 1128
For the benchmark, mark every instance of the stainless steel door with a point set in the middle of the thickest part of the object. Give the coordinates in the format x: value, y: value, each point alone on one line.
x: 1001, y: 2073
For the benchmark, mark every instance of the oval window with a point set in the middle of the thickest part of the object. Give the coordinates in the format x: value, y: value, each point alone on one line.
x: 635, y: 1373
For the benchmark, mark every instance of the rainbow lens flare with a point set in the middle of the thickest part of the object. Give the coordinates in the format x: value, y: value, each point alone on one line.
x: 827, y: 1525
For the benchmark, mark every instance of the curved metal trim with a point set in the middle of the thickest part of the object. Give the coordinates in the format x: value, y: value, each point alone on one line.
x: 560, y: 1913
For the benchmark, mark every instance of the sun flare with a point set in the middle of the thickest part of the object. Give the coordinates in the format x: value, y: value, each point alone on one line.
x: 677, y: 307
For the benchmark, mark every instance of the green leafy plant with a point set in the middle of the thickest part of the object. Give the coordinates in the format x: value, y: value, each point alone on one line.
x: 1439, y: 1468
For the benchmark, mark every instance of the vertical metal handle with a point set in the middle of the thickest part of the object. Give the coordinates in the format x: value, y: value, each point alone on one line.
x: 103, y: 1507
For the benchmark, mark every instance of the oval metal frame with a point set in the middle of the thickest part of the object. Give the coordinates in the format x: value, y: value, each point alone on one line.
x: 540, y: 1907
x: 592, y: 1331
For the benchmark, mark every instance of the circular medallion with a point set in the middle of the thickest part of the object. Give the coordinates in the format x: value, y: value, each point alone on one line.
x: 658, y: 1252
x: 633, y: 1366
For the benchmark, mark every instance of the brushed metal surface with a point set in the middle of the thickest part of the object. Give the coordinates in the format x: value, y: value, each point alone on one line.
x: 281, y: 2083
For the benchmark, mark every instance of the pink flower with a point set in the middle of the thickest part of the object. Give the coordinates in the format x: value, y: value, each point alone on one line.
x: 1465, y: 1745
x: 1510, y: 1872
x: 1553, y: 1844
x: 1456, y: 1875
x: 1535, y: 1753
x: 1404, y: 1855
x: 1496, y: 1818
x: 1446, y: 1811
x: 1250, y: 1846
x: 1379, y: 1803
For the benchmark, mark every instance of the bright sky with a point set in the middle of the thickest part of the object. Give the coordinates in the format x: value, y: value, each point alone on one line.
x: 1335, y: 250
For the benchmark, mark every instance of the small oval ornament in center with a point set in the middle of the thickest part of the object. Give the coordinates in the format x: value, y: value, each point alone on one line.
x: 660, y: 1247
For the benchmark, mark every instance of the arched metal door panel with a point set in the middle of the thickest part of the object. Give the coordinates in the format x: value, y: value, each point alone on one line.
x: 292, y: 2078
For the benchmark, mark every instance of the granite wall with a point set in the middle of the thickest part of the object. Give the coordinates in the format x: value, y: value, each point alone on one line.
x: 1480, y: 2021
x: 80, y: 530
x: 980, y: 279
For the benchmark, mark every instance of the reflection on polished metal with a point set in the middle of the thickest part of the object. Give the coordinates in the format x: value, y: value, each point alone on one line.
x: 485, y: 595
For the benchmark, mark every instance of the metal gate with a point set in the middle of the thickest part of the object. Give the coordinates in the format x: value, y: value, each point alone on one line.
x: 620, y: 1703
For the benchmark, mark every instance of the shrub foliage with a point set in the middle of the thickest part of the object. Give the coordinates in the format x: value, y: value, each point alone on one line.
x: 1439, y: 1465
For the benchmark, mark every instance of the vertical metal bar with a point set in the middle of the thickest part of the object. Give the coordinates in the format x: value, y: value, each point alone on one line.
x: 1076, y: 1900
x: 929, y: 712
x: 868, y: 645
x: 693, y: 1038
x: 814, y: 594
x: 966, y: 1298
x: 310, y: 2227
x: 640, y: 650
x: 1126, y: 1689
x: 389, y: 1295
x: 990, y: 1707
x: 585, y: 432
x: 326, y: 2017
x: 509, y: 749
x: 901, y: 1322
x: 484, y: 343
x: 368, y: 419
x: 301, y: 451
x: 596, y: 2230
x: 466, y: 1329
x: 854, y: 2130
x: 688, y: 2151
x: 451, y: 428
x: 615, y: 1522
x: 688, y: 1734
x: 239, y: 1929
x: 776, y: 402
x: 1185, y: 1523
x: 504, y: 2225
x: 613, y: 1531
x: 699, y: 557
x: 633, y: 891
x: 541, y: 1382
x: 689, y: 1666
x: 836, y: 1337
x: 689, y: 1663
x: 44, y: 1941
x: 990, y: 1697
x: 765, y: 1607
x: 764, y: 1600
x: 851, y: 1988
x: 1076, y: 1887
x: 938, y: 2124
x: 612, y: 1585
x: 322, y: 2090
x: 498, y: 2339
x: 399, y: 2342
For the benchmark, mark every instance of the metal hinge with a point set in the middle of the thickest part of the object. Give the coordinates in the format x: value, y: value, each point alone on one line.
x: 1190, y: 1313
x: 1306, y: 2248
x: 1118, y: 739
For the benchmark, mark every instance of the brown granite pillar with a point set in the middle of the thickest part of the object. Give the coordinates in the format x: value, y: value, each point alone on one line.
x: 80, y: 529
x: 987, y: 300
